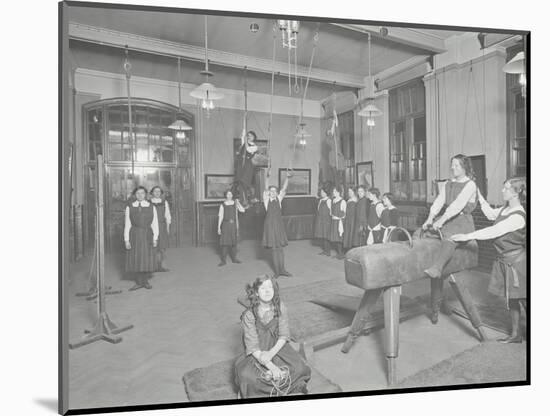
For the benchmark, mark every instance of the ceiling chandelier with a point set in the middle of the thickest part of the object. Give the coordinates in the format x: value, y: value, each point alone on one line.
x: 206, y: 92
x: 180, y: 125
x: 370, y: 111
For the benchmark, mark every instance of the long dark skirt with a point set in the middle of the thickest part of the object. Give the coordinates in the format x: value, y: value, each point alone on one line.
x: 503, y: 280
x: 228, y: 236
x: 248, y: 372
x: 141, y: 257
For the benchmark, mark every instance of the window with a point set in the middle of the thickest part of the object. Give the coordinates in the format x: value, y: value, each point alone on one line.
x: 408, y: 141
x: 108, y: 123
x: 517, y: 131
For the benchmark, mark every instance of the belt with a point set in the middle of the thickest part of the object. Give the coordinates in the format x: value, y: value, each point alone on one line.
x: 229, y: 221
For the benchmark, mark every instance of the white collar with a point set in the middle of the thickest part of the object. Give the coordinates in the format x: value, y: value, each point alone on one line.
x: 156, y: 200
x: 466, y: 179
x: 143, y: 203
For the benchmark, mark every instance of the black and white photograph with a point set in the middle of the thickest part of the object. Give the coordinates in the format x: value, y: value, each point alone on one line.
x: 263, y: 207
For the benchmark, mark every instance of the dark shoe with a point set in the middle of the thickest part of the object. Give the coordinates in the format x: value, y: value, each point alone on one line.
x: 511, y: 340
x: 348, y: 344
x: 222, y: 263
x: 136, y: 287
x: 163, y: 269
x: 433, y: 272
x: 434, y: 317
x: 236, y: 261
x: 323, y: 253
x: 147, y: 285
x: 284, y: 273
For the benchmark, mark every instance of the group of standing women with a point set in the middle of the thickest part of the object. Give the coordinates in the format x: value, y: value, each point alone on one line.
x: 146, y: 231
x: 362, y: 219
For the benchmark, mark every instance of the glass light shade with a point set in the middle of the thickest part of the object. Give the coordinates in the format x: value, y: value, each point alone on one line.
x: 180, y: 124
x: 206, y: 91
x: 370, y: 122
x: 370, y: 110
x: 516, y: 65
x: 302, y: 132
x: 522, y: 80
x: 302, y: 141
x: 180, y: 135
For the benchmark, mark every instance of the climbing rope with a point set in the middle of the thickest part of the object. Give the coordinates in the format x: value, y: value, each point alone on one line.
x: 127, y: 69
x: 270, y: 126
x: 281, y: 387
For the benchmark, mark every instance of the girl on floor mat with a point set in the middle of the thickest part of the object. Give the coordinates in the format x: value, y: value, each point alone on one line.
x: 269, y: 365
x: 509, y: 275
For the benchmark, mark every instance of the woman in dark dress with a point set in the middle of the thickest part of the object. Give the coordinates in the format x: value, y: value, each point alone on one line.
x: 509, y: 276
x: 269, y: 365
x: 361, y: 215
x: 322, y: 221
x: 244, y: 168
x: 228, y: 227
x: 164, y: 219
x: 338, y: 214
x: 349, y: 222
x: 374, y: 217
x: 274, y: 237
x: 390, y: 216
x: 460, y: 198
x: 141, y: 231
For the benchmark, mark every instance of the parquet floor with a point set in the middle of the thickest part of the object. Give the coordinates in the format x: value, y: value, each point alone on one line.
x: 190, y: 319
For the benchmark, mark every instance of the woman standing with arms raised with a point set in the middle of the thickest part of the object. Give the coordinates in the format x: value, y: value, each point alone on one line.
x: 274, y: 237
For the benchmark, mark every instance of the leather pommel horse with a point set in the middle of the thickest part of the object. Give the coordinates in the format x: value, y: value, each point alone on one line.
x: 384, y: 268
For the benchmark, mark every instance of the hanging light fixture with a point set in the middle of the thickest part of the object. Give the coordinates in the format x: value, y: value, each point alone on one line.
x: 516, y: 65
x: 302, y: 134
x: 370, y: 111
x: 206, y: 92
x: 180, y: 125
x: 289, y: 29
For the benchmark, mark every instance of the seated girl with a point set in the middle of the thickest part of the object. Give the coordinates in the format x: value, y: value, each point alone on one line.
x: 269, y: 365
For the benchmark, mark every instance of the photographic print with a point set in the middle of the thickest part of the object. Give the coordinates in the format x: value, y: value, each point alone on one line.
x: 215, y: 185
x: 364, y: 174
x: 299, y: 183
x: 177, y: 293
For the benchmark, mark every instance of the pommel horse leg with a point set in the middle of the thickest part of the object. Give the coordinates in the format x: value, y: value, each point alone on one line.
x: 361, y: 317
x: 392, y: 297
x: 436, y: 298
x: 467, y: 302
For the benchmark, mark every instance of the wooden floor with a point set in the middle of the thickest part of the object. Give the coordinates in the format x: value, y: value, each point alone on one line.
x: 190, y: 319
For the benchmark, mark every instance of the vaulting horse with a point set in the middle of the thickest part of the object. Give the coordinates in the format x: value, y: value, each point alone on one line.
x: 384, y: 268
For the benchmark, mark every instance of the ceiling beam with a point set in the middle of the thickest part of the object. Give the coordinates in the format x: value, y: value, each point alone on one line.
x: 155, y: 46
x: 410, y: 37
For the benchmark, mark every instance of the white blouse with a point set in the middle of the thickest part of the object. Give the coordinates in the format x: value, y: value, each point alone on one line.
x: 468, y: 194
x: 128, y: 223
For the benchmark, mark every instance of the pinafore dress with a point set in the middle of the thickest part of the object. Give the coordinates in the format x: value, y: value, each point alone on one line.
x: 141, y: 256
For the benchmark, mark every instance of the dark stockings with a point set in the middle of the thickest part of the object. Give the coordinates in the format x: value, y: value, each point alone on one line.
x: 445, y: 253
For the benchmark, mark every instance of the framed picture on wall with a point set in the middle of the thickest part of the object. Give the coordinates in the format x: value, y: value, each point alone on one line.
x: 298, y: 184
x: 364, y: 174
x: 216, y: 184
x: 261, y: 158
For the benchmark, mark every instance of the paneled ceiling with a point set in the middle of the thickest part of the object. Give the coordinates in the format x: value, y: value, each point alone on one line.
x: 339, y: 49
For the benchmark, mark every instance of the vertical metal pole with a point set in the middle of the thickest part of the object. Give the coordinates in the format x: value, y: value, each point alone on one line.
x: 391, y: 333
x: 100, y: 237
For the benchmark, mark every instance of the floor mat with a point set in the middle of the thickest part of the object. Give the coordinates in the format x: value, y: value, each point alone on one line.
x: 485, y: 363
x: 215, y: 382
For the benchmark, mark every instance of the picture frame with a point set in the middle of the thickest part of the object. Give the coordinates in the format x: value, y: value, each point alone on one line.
x: 215, y: 184
x: 262, y: 150
x: 364, y: 174
x: 298, y: 184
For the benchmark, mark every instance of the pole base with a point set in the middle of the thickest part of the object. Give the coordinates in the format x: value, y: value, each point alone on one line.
x: 104, y: 330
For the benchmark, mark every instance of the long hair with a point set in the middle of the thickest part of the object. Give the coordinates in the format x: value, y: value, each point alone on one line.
x: 390, y: 197
x: 253, y: 133
x: 519, y: 185
x: 156, y: 187
x: 466, y: 164
x: 254, y: 299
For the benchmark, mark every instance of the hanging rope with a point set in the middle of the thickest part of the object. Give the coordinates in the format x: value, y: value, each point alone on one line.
x: 245, y: 115
x: 315, y: 40
x: 127, y: 69
x: 471, y: 79
x: 270, y: 126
